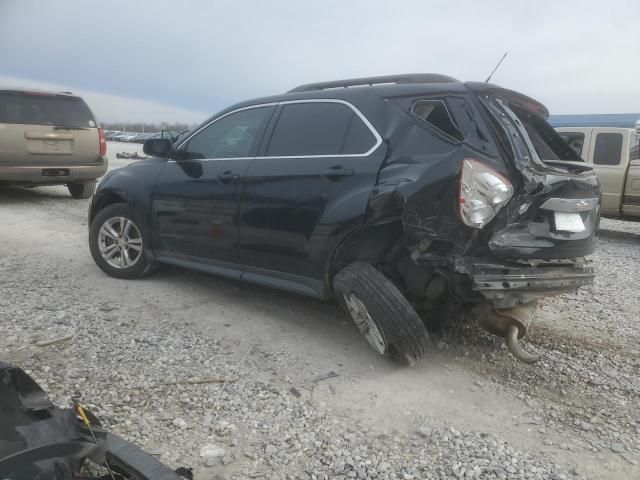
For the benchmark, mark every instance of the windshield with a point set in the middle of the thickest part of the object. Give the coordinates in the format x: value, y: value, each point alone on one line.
x: 44, y: 109
x: 548, y: 144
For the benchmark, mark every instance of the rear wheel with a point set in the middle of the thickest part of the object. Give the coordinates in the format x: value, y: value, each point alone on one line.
x: 381, y: 313
x: 82, y: 189
x: 118, y: 243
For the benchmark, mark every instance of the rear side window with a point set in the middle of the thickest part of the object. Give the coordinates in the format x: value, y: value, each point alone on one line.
x: 608, y: 149
x: 319, y: 128
x: 436, y: 114
x: 44, y: 109
x: 575, y: 140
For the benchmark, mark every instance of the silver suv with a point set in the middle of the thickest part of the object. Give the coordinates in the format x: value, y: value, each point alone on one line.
x: 50, y: 138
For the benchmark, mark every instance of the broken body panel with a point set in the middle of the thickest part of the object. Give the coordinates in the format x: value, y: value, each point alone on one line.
x: 39, y: 441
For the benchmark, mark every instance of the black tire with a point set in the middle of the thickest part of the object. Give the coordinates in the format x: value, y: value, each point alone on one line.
x: 142, y: 266
x: 405, y: 337
x: 82, y: 189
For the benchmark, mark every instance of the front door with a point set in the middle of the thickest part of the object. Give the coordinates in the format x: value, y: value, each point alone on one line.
x: 310, y: 185
x: 196, y: 197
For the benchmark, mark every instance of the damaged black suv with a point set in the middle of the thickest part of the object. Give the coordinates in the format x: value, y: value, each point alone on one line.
x: 407, y: 198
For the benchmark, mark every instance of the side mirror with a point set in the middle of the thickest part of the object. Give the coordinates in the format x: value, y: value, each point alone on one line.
x: 157, y: 147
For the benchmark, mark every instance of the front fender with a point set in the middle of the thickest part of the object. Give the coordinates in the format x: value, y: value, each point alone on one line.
x: 133, y: 185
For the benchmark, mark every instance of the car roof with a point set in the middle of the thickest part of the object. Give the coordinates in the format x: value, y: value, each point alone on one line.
x: 596, y: 120
x: 354, y: 90
x: 359, y: 90
x: 36, y: 90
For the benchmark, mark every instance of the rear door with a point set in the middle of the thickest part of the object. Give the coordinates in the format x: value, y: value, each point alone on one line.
x: 609, y: 159
x: 46, y: 129
x: 310, y: 185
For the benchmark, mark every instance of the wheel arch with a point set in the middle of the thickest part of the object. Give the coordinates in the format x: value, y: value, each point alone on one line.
x: 103, y: 199
x: 370, y: 244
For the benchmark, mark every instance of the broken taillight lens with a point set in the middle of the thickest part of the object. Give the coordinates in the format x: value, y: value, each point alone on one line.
x: 483, y: 192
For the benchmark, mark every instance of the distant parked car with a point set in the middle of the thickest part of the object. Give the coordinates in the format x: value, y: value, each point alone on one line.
x: 126, y: 137
x: 614, y: 155
x: 163, y: 134
x: 146, y: 136
x: 118, y: 136
x: 111, y: 135
x: 138, y: 138
x: 50, y: 138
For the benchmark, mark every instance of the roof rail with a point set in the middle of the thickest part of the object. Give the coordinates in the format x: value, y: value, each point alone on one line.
x: 398, y: 79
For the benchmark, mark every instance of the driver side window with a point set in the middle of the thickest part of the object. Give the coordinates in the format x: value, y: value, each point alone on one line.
x: 236, y: 135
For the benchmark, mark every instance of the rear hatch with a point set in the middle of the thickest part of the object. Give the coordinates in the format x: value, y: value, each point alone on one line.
x: 46, y: 129
x: 555, y: 209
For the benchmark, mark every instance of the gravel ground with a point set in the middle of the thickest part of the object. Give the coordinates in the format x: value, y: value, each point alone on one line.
x: 304, y: 396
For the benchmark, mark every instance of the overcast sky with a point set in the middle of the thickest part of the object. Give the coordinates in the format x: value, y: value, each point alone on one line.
x: 185, y: 60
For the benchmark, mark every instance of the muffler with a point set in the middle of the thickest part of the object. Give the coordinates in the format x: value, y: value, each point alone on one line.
x: 511, y: 323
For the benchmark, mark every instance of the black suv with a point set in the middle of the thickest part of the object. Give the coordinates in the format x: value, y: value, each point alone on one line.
x: 406, y: 198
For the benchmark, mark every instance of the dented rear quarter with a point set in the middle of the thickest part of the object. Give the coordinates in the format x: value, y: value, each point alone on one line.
x: 522, y: 252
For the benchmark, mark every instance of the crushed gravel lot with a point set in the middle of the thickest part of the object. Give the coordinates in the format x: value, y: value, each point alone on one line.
x: 239, y: 381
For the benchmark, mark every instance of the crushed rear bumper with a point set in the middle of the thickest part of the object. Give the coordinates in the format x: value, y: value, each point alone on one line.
x: 506, y: 284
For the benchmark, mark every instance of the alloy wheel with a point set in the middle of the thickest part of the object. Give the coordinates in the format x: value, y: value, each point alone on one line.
x: 120, y: 242
x: 363, y: 320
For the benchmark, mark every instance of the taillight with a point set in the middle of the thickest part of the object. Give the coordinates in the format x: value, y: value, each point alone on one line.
x: 483, y: 192
x: 103, y: 142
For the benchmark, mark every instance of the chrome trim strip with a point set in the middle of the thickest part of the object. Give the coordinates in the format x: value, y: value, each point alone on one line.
x: 260, y: 105
x: 371, y: 128
x: 570, y: 204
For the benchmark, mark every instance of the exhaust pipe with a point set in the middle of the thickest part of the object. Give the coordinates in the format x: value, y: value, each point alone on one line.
x: 511, y: 323
x: 516, y: 349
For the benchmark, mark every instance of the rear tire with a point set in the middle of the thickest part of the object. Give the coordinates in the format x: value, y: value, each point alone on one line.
x: 119, y: 243
x: 381, y: 313
x: 82, y: 189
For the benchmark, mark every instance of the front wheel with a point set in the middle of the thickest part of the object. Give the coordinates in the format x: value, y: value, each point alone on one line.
x: 381, y: 313
x: 118, y: 243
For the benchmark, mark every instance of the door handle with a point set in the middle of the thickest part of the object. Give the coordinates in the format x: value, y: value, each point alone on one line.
x: 336, y: 172
x: 228, y: 177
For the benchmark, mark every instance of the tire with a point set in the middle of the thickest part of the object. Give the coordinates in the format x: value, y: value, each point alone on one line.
x: 83, y: 189
x: 112, y: 249
x: 401, y: 334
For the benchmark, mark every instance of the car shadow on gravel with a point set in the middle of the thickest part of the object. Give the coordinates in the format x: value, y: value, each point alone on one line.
x: 319, y: 333
x: 11, y: 194
x: 287, y: 313
x: 618, y: 235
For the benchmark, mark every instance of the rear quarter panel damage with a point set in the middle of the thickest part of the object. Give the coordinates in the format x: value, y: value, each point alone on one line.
x: 418, y: 181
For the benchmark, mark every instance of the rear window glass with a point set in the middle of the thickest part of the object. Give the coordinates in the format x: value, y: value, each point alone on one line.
x: 575, y: 140
x: 548, y: 143
x: 436, y: 114
x: 318, y: 128
x: 608, y: 149
x: 44, y: 109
